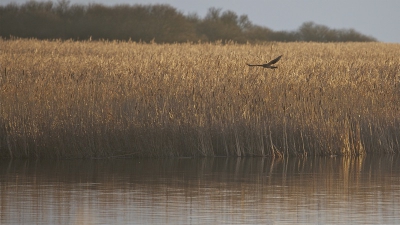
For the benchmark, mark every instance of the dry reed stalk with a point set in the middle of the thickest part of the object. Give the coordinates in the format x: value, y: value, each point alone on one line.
x: 108, y: 99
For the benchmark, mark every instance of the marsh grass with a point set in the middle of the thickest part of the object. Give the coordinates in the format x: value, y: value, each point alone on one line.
x: 124, y: 99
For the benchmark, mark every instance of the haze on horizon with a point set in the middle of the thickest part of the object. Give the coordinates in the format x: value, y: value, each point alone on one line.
x: 379, y: 19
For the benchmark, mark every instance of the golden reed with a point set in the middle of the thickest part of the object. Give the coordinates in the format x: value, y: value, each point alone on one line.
x: 124, y: 99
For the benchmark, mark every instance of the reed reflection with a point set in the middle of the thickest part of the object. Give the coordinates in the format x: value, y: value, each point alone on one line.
x: 198, y: 191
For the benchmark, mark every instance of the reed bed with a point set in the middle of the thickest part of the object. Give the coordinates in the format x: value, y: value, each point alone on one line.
x: 89, y: 99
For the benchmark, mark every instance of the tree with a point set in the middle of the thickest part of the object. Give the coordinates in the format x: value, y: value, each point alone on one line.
x: 310, y: 31
x: 160, y: 22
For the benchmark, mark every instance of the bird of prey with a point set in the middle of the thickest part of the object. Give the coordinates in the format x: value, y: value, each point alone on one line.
x: 269, y: 64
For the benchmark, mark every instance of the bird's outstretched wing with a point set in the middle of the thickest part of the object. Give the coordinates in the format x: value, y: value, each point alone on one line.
x: 274, y: 61
x: 253, y: 64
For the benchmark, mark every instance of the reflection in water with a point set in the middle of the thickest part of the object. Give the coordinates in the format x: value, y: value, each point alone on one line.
x: 201, y: 191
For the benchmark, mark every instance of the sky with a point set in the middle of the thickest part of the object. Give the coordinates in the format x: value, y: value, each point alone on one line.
x: 377, y: 18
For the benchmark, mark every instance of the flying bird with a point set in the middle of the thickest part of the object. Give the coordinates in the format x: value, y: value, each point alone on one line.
x: 269, y: 64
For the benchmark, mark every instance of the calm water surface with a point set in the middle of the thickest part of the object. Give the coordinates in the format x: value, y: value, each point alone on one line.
x: 362, y: 190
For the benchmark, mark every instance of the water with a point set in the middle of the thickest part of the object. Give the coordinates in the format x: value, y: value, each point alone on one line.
x: 201, y: 191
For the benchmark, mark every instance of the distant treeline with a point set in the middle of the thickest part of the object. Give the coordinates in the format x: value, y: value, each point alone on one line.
x: 159, y: 23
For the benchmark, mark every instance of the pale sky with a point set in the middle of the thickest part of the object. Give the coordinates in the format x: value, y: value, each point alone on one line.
x: 377, y: 18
